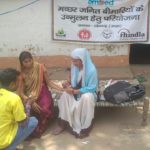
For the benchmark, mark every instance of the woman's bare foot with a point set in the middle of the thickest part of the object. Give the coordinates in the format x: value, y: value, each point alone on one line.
x: 82, y: 135
x: 58, y: 130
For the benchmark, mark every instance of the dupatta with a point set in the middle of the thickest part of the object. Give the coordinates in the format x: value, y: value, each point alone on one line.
x: 33, y: 81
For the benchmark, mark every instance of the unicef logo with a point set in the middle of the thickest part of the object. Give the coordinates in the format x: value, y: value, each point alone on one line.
x: 107, y: 33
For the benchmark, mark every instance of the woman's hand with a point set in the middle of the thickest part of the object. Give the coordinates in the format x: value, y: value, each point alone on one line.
x: 24, y: 98
x: 66, y: 84
x: 60, y: 89
x: 70, y: 90
x: 36, y: 107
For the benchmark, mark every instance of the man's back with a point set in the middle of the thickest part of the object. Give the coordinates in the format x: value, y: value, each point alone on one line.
x: 11, y: 112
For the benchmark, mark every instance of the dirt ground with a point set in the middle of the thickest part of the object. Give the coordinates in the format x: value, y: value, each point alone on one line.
x: 114, y: 128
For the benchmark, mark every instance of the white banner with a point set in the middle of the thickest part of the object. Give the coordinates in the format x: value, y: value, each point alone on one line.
x: 102, y: 21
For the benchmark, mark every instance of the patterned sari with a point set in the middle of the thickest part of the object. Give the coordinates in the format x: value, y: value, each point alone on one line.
x: 36, y: 88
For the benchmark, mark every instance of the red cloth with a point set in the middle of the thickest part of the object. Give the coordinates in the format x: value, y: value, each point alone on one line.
x: 45, y: 101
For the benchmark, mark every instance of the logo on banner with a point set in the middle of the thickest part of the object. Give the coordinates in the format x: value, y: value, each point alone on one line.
x: 84, y: 34
x: 107, y: 33
x: 61, y: 33
x: 101, y: 2
x: 125, y: 34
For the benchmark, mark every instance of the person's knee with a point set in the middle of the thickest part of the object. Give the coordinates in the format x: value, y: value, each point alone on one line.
x: 33, y: 122
x: 64, y: 95
x: 86, y: 97
x: 63, y: 99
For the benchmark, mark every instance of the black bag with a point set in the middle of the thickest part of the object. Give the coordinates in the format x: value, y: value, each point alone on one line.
x: 135, y: 91
x: 123, y: 91
x: 111, y: 92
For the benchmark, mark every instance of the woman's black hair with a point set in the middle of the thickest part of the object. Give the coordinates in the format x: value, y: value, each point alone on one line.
x: 7, y: 76
x: 24, y: 55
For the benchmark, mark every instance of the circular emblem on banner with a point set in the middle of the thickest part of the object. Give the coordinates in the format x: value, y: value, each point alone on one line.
x: 84, y: 34
x: 107, y: 33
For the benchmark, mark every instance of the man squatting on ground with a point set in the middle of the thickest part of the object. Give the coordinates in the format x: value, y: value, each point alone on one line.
x: 15, y: 126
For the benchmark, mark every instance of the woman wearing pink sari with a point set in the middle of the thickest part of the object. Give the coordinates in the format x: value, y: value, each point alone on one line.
x: 33, y: 87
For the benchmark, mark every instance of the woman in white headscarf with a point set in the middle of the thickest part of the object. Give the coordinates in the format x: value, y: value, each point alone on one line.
x: 76, y: 105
